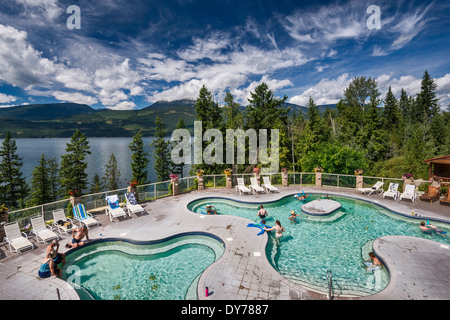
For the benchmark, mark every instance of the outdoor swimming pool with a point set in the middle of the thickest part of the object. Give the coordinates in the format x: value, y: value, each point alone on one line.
x: 126, y: 270
x: 339, y: 242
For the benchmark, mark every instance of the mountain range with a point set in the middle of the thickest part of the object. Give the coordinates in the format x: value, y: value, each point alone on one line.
x: 59, y: 120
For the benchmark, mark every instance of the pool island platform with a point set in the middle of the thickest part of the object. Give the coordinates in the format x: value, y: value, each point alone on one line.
x: 418, y: 268
x: 321, y: 207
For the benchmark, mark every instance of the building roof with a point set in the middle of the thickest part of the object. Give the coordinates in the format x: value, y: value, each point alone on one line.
x: 443, y: 160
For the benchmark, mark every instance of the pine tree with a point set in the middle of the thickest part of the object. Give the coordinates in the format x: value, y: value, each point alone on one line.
x: 13, y: 187
x: 391, y: 112
x: 54, y: 179
x: 96, y: 185
x: 161, y: 154
x: 139, y: 160
x: 426, y: 104
x: 40, y: 183
x: 178, y: 168
x: 73, y: 165
x: 112, y: 174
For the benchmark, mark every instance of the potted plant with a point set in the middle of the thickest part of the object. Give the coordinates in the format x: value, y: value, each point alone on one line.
x: 200, y: 172
x: 256, y: 170
x: 318, y: 169
x: 359, y: 172
x: 3, y: 220
x: 228, y: 172
x: 173, y: 176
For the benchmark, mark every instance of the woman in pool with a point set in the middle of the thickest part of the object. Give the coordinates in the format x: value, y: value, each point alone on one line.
x: 279, y: 229
x: 373, y: 263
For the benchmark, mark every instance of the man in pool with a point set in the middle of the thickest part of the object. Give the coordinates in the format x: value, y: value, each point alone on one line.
x: 262, y: 213
x: 430, y: 228
x: 76, y: 238
x: 301, y: 196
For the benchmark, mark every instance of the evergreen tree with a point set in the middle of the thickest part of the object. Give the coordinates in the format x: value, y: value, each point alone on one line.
x: 391, y: 112
x: 96, y: 185
x: 161, y: 154
x: 112, y: 174
x: 13, y: 187
x: 178, y: 168
x: 73, y: 165
x: 426, y: 103
x: 54, y: 179
x: 40, y: 183
x: 139, y: 160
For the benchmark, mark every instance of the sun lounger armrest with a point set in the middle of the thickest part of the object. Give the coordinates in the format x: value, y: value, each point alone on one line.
x: 25, y: 235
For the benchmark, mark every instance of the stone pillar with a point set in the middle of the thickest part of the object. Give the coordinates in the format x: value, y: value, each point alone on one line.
x: 4, y: 219
x: 201, y: 182
x: 359, y: 181
x: 175, y: 187
x: 229, y: 182
x: 284, y: 179
x: 75, y: 200
x: 318, y: 179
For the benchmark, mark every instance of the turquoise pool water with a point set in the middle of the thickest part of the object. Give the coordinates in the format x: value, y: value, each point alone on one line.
x: 119, y: 270
x: 338, y: 242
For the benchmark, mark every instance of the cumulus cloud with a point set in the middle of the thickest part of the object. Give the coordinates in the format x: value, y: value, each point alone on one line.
x: 4, y: 98
x: 74, y: 97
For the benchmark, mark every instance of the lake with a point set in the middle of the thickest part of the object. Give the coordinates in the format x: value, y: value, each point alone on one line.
x: 101, y: 148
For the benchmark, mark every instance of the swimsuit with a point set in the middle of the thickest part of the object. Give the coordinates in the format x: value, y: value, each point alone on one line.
x: 44, y: 270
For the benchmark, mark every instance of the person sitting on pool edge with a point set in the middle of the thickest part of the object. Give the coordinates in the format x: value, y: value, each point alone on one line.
x: 76, y: 240
x: 262, y: 213
x: 430, y: 228
x: 294, y: 217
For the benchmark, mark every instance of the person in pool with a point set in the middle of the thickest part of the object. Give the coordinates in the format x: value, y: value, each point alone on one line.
x: 262, y: 213
x: 373, y: 263
x: 430, y: 228
x: 210, y: 209
x: 279, y: 229
x: 301, y: 196
x: 294, y: 217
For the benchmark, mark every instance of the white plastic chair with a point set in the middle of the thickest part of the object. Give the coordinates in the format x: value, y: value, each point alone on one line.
x: 59, y: 215
x: 17, y: 241
x: 42, y: 231
x: 268, y: 185
x: 409, y: 193
x: 113, y: 209
x: 133, y: 206
x: 377, y: 187
x: 255, y: 187
x: 391, y: 191
x: 241, y: 186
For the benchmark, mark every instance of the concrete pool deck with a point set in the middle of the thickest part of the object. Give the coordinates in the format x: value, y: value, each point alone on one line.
x: 419, y: 268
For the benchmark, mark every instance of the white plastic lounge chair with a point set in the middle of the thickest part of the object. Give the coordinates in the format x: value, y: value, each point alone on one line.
x: 391, y: 191
x: 132, y: 205
x: 268, y: 185
x: 83, y: 217
x: 377, y: 187
x: 42, y: 231
x: 241, y: 186
x: 409, y: 193
x: 255, y: 187
x: 58, y: 216
x: 113, y: 209
x: 17, y: 241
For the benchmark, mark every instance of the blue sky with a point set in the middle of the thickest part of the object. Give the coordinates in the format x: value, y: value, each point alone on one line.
x: 129, y: 54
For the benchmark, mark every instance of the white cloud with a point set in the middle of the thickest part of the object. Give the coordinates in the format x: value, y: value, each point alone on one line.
x: 325, y: 92
x: 48, y: 8
x: 124, y: 105
x: 6, y: 98
x: 75, y: 97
